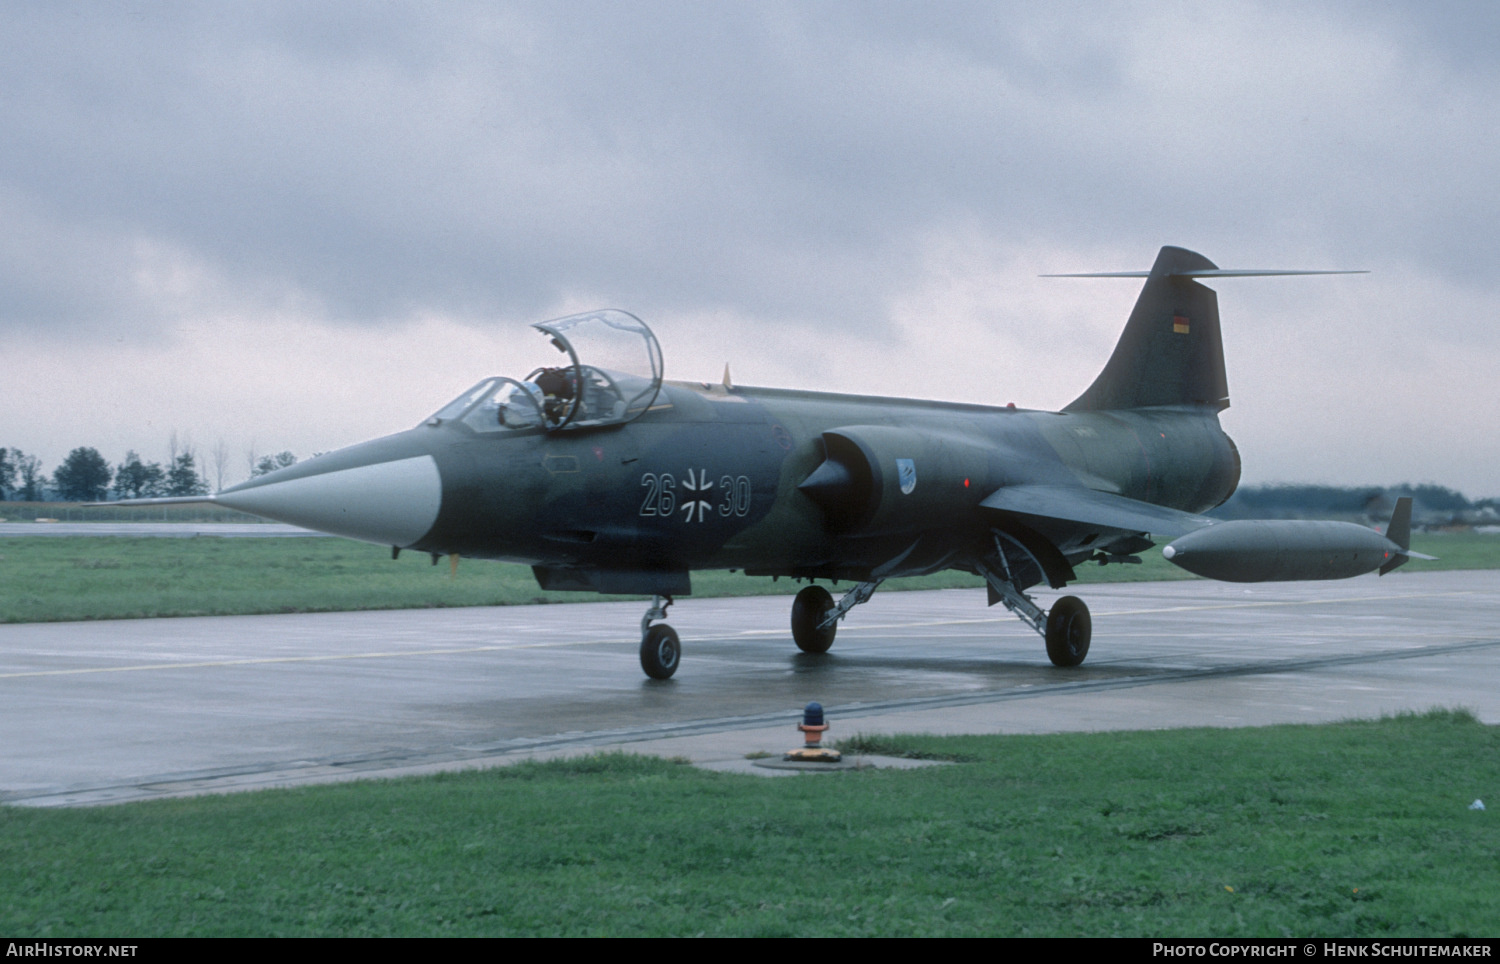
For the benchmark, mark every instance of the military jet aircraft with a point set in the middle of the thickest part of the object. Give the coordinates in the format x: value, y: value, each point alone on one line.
x: 603, y: 477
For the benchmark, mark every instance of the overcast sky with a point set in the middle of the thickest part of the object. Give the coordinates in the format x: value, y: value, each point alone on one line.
x: 296, y: 226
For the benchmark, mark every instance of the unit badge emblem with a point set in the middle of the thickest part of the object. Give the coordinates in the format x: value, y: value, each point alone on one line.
x: 906, y: 472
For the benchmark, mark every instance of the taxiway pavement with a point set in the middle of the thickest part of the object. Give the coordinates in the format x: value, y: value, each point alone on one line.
x: 96, y: 712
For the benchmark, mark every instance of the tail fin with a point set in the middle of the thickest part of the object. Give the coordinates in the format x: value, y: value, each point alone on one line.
x: 1399, y: 532
x: 1170, y: 352
x: 1399, y: 529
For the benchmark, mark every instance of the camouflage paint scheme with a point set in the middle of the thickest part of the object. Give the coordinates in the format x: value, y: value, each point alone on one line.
x: 659, y: 495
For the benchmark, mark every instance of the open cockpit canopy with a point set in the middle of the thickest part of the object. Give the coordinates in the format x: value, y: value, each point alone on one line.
x: 609, y: 374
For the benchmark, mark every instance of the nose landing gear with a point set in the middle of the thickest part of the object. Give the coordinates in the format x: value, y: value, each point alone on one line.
x: 661, y: 650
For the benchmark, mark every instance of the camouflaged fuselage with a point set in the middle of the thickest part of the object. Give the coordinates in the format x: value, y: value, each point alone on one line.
x: 708, y: 479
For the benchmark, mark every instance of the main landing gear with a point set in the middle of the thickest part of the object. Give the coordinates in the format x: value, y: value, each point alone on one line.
x: 661, y: 650
x: 815, y: 616
x: 1067, y: 628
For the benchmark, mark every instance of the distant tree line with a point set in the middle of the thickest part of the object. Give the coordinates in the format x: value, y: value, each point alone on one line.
x: 1431, y: 504
x: 85, y: 476
x: 273, y: 462
x: 20, y: 476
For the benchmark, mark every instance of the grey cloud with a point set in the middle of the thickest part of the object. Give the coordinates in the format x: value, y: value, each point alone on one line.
x: 782, y: 159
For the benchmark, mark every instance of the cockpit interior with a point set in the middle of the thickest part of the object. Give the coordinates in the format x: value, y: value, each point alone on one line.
x: 611, y: 374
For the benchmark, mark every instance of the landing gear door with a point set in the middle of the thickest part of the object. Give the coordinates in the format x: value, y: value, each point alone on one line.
x: 612, y: 371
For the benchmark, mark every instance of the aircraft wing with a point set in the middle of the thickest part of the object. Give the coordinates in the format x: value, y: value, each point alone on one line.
x: 1092, y: 508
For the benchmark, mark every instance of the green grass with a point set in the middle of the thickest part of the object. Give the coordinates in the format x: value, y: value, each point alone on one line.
x: 67, y: 578
x: 1352, y: 829
x: 77, y: 512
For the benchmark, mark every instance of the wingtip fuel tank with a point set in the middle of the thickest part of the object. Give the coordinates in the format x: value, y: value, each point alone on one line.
x: 1286, y: 550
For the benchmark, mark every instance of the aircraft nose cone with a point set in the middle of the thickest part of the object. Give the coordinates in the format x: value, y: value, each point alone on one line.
x: 391, y: 503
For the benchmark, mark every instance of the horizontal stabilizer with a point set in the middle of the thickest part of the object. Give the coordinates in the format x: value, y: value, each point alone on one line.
x: 1199, y: 273
x: 1088, y: 507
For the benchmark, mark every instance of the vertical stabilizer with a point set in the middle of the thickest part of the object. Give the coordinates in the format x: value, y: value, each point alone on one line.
x: 1170, y: 352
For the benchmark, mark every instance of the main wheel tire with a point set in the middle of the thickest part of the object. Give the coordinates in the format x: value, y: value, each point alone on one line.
x: 1069, y: 628
x: 661, y: 651
x: 809, y: 609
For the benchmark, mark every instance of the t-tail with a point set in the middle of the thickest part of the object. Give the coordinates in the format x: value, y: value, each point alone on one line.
x: 1171, y: 352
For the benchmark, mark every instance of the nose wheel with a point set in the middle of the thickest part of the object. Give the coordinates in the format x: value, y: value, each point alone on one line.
x: 661, y: 650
